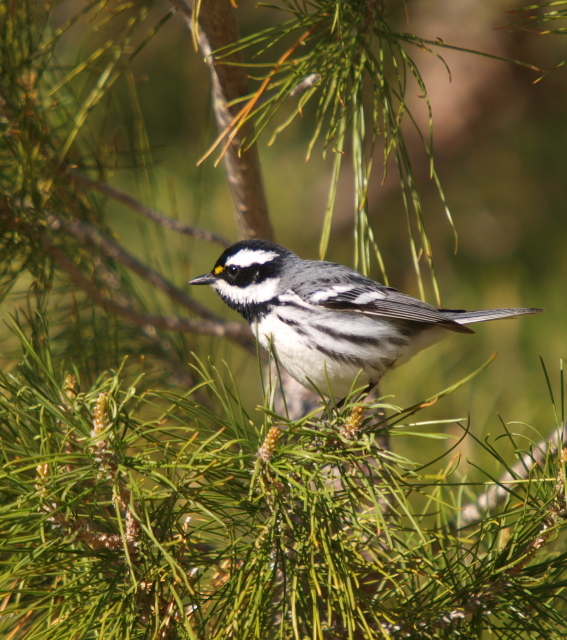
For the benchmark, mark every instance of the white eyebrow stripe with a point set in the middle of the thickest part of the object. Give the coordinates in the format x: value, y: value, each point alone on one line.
x: 248, y: 257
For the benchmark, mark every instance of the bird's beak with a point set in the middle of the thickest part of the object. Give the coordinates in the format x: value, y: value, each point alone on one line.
x: 207, y: 278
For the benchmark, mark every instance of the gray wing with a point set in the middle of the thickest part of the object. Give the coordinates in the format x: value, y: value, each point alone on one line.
x: 344, y: 289
x: 389, y: 303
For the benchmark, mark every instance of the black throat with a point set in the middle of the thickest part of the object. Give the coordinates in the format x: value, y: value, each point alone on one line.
x: 253, y: 312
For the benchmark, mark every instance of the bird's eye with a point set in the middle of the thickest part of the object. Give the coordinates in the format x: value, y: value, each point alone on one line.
x: 233, y: 270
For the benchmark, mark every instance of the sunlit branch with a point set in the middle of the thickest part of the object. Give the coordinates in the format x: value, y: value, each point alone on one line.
x: 240, y: 333
x: 499, y: 492
x: 157, y: 217
x: 217, y: 28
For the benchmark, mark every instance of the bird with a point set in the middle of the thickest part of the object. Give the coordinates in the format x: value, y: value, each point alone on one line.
x: 328, y: 325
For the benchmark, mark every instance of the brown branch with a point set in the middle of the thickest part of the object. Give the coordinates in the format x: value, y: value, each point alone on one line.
x: 236, y: 331
x: 157, y: 217
x: 497, y: 493
x: 240, y: 119
x: 217, y: 28
x: 86, y: 233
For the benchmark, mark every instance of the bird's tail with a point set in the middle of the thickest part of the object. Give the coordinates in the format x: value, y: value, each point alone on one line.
x: 468, y: 317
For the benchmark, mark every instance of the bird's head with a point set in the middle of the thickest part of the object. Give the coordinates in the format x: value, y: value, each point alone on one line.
x: 247, y: 275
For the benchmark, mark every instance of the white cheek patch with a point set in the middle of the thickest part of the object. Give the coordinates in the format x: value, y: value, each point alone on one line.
x: 248, y: 257
x: 369, y: 296
x: 252, y: 294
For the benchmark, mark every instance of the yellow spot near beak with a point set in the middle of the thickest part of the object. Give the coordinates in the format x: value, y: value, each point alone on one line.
x: 218, y: 270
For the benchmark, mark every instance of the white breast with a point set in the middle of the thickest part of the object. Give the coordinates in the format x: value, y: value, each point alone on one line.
x: 308, y: 366
x: 295, y: 348
x: 339, y: 362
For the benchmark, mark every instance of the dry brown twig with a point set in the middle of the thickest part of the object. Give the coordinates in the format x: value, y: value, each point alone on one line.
x: 238, y: 332
x: 216, y: 29
x: 157, y: 217
x: 86, y: 233
x: 118, y: 303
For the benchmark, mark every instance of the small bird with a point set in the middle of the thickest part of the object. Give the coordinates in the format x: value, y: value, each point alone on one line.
x: 327, y: 324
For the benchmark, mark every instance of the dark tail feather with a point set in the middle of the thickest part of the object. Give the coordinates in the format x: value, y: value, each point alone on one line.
x: 468, y: 317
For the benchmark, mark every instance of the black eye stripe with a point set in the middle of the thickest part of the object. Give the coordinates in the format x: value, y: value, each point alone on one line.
x: 251, y: 274
x: 240, y: 276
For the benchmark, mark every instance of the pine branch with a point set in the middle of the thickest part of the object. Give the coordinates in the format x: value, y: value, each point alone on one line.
x: 499, y: 492
x: 216, y: 29
x: 237, y: 332
x: 490, y: 594
x: 84, y: 232
x: 157, y: 217
x: 201, y: 522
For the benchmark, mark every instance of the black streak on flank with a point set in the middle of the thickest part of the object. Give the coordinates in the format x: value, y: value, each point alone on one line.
x: 296, y: 325
x: 356, y: 339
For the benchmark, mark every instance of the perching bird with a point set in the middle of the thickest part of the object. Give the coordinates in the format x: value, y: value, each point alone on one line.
x: 327, y: 324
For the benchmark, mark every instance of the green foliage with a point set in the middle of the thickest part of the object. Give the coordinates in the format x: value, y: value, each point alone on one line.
x: 352, y: 64
x: 57, y: 118
x: 47, y: 114
x: 547, y: 14
x: 546, y: 18
x: 350, y: 61
x: 155, y: 506
x: 148, y: 515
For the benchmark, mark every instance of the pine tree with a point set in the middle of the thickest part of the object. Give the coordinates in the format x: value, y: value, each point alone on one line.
x: 139, y: 498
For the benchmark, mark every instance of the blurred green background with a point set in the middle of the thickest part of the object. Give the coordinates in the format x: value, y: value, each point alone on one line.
x: 499, y: 144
